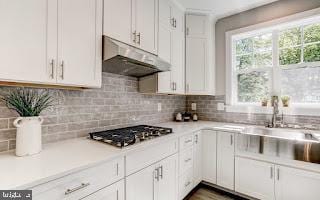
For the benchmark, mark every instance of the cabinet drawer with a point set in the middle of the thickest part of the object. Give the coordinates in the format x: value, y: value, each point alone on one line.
x: 185, y: 183
x: 112, y: 192
x: 140, y: 159
x: 186, y: 141
x: 82, y: 183
x: 185, y: 160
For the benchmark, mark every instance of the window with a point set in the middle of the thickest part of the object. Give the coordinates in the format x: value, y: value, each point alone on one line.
x: 279, y: 60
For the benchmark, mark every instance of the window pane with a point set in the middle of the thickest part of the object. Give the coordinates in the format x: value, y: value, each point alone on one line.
x: 312, y: 33
x: 262, y: 42
x: 290, y: 56
x: 312, y: 53
x: 244, y: 46
x: 290, y: 37
x: 252, y: 87
x: 263, y: 59
x: 302, y: 84
x: 244, y: 62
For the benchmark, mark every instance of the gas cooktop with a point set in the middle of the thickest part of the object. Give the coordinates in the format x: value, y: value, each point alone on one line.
x: 123, y: 137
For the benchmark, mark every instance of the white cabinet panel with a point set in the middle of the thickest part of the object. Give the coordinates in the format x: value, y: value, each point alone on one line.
x: 296, y: 184
x: 197, y: 158
x: 77, y: 38
x: 146, y: 23
x: 225, y: 160
x: 197, y: 26
x: 248, y: 171
x: 196, y: 65
x: 209, y: 156
x: 168, y: 179
x: 140, y: 186
x: 117, y: 20
x: 185, y: 183
x: 112, y: 192
x: 186, y: 160
x: 23, y: 39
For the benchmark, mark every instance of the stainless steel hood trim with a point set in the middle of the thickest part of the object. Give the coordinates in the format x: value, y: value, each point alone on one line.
x: 124, y: 59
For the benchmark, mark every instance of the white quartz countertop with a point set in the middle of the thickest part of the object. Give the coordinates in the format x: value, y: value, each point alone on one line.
x: 62, y: 158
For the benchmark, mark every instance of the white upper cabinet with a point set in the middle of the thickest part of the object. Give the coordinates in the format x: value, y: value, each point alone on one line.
x: 225, y: 160
x: 79, y: 41
x: 199, y: 55
x: 117, y: 20
x: 45, y: 44
x: 246, y: 173
x: 23, y: 39
x: 134, y: 22
x: 171, y: 47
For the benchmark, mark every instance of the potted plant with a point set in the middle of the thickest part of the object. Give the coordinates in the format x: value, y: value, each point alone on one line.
x: 285, y: 100
x: 264, y: 101
x: 28, y: 104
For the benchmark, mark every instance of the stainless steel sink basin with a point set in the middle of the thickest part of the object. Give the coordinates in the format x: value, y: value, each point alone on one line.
x: 286, y: 134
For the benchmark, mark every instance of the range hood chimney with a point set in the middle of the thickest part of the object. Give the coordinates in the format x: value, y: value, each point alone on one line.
x: 120, y: 58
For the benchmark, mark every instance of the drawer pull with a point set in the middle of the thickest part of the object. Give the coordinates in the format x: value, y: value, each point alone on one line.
x: 83, y: 185
x: 187, y: 184
x: 188, y: 141
x: 187, y: 160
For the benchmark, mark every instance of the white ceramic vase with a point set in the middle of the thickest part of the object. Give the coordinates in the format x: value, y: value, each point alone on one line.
x: 28, y: 141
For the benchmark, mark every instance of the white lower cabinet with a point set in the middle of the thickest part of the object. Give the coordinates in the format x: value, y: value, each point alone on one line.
x: 225, y: 160
x: 197, y: 158
x: 209, y: 156
x: 296, y: 184
x: 112, y: 192
x: 254, y: 178
x: 158, y: 181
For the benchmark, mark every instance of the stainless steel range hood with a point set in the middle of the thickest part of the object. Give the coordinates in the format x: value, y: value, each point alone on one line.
x: 120, y: 58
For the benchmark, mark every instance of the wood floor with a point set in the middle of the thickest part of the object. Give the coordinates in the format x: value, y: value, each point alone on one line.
x: 207, y: 193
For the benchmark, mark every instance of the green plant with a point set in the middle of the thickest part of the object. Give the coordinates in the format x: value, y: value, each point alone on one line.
x: 27, y: 102
x: 285, y: 98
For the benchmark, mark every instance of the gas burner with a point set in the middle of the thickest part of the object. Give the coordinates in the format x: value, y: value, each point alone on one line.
x: 127, y: 136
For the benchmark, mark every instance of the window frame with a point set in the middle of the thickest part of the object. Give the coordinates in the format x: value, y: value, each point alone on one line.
x: 274, y: 26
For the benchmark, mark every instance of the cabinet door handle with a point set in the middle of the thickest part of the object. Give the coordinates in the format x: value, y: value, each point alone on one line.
x: 187, y: 31
x: 278, y: 174
x: 175, y: 23
x: 52, y: 68
x: 156, y: 174
x: 175, y: 86
x: 187, y: 184
x: 196, y: 139
x: 231, y: 139
x: 271, y: 172
x: 134, y: 36
x: 187, y: 87
x: 117, y: 169
x: 172, y: 22
x: 83, y: 185
x: 187, y: 160
x: 62, y: 70
x: 139, y: 38
x: 161, y: 172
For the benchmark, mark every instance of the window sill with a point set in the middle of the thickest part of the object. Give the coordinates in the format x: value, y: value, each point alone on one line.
x: 312, y: 110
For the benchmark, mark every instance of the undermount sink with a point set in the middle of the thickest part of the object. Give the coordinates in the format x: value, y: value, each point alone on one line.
x: 286, y: 134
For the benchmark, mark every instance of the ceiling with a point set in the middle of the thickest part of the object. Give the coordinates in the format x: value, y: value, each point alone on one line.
x: 222, y: 8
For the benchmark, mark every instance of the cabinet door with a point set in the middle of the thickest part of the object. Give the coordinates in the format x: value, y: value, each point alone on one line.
x: 178, y: 51
x: 146, y: 22
x: 225, y: 160
x: 79, y: 40
x: 112, y: 192
x: 168, y: 179
x: 117, y: 20
x: 196, y: 65
x: 197, y: 158
x: 140, y: 186
x: 23, y: 39
x: 196, y: 26
x: 164, y: 40
x: 246, y: 173
x: 209, y: 156
x: 296, y: 184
